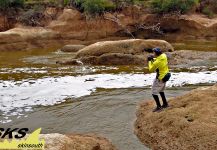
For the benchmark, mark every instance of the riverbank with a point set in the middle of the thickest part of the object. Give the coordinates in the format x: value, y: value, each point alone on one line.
x: 189, y: 123
x: 72, y: 27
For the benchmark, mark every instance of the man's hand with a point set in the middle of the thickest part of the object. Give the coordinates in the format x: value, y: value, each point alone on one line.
x: 150, y: 58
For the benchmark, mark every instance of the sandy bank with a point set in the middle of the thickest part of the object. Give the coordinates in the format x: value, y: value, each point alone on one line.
x: 190, y: 123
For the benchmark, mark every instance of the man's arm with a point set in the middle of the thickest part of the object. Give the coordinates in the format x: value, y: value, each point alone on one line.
x: 152, y: 66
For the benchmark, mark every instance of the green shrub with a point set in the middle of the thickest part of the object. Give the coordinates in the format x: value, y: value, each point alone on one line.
x: 4, y: 4
x: 16, y: 3
x: 208, y: 12
x: 77, y: 4
x: 166, y: 6
x: 97, y: 7
x: 32, y: 17
x: 66, y: 2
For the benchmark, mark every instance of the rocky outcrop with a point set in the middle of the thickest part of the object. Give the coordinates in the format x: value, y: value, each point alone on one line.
x: 74, y: 25
x: 123, y: 52
x: 135, y: 22
x: 32, y: 38
x: 132, y: 46
x: 72, y: 48
x: 28, y: 38
x: 76, y: 142
x: 183, y: 27
x: 190, y: 122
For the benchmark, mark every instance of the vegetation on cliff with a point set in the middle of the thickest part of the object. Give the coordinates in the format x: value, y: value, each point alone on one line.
x: 34, y: 12
x: 167, y: 6
x: 94, y: 7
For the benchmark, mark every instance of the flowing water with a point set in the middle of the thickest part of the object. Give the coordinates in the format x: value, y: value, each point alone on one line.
x: 35, y: 92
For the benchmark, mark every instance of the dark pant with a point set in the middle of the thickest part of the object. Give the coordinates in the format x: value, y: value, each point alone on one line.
x: 156, y: 98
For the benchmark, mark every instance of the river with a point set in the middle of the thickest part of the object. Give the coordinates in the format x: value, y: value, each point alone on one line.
x: 35, y: 92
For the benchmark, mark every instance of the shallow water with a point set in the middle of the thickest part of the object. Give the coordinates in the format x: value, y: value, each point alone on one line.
x: 35, y: 92
x: 109, y: 113
x: 200, y: 45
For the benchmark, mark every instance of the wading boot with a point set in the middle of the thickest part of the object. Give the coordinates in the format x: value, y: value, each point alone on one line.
x: 158, y: 108
x: 165, y: 104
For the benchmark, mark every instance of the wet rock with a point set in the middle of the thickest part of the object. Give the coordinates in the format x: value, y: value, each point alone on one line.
x: 123, y: 52
x: 132, y: 46
x: 72, y: 48
x: 114, y: 59
x: 76, y: 142
x: 90, y: 79
x: 68, y: 62
x: 190, y: 122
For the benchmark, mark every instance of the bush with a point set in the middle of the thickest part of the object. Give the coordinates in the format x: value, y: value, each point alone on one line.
x: 167, y: 6
x: 5, y: 4
x: 120, y: 4
x: 97, y: 7
x: 33, y: 17
x: 66, y: 2
x: 16, y: 3
x: 208, y: 12
x: 208, y: 6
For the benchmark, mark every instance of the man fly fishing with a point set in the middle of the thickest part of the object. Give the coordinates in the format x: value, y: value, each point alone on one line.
x: 158, y: 63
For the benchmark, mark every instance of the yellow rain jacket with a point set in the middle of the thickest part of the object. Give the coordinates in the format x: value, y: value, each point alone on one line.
x: 161, y: 64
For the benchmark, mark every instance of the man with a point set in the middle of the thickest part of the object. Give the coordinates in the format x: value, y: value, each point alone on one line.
x: 159, y: 63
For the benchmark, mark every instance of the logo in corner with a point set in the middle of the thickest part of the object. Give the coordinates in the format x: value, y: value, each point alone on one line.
x: 31, y: 142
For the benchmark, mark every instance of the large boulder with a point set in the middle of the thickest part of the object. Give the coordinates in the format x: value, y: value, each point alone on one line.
x: 190, y: 122
x: 123, y: 52
x: 76, y: 142
x: 132, y: 46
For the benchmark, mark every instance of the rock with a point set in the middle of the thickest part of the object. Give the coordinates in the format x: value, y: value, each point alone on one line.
x: 123, y: 52
x: 76, y: 142
x: 72, y: 48
x: 182, y: 27
x: 132, y: 46
x: 114, y: 59
x: 69, y: 62
x: 28, y: 38
x: 73, y: 24
x: 190, y: 122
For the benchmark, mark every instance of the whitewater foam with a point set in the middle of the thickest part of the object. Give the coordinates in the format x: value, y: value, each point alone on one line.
x: 19, y: 98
